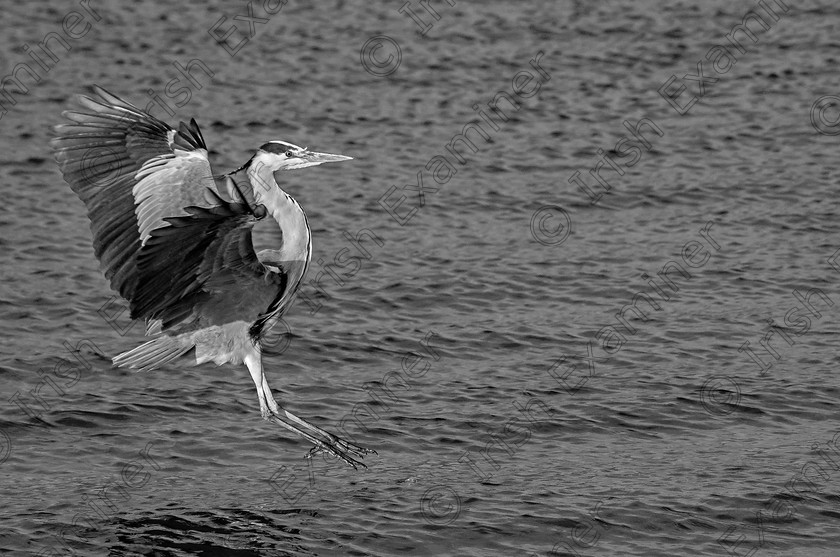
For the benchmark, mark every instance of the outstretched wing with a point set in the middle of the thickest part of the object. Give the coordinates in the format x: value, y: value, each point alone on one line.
x: 166, y: 239
x: 131, y: 170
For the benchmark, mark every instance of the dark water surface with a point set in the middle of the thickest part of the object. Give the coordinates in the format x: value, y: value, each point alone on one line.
x: 532, y: 418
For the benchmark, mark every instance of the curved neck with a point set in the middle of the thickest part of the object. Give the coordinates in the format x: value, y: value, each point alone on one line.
x: 297, y: 245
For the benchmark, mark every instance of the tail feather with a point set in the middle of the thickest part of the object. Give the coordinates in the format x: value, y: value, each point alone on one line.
x: 153, y: 354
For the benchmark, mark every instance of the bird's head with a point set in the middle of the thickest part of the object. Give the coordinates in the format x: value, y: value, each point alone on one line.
x: 280, y: 155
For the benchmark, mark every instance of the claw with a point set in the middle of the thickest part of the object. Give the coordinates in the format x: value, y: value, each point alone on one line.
x: 324, y: 448
x: 324, y: 441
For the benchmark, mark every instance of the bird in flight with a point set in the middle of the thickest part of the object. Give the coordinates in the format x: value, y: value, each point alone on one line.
x: 174, y: 240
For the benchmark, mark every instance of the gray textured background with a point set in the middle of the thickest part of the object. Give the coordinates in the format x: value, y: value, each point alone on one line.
x: 655, y: 437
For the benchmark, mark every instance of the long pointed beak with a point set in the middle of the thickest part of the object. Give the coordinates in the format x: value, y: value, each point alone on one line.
x: 310, y: 158
x: 321, y: 158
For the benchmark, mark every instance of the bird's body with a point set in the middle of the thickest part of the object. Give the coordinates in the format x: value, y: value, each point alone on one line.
x: 174, y: 240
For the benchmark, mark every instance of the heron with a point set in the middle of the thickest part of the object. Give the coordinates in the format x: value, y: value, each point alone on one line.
x: 174, y: 240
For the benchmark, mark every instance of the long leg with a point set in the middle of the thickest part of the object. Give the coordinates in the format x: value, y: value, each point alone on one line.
x: 273, y: 412
x: 276, y: 409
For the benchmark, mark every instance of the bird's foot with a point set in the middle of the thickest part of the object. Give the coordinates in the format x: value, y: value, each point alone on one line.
x: 341, y: 449
x: 324, y: 441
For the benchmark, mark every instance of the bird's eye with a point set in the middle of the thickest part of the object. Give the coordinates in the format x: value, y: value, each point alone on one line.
x: 288, y: 154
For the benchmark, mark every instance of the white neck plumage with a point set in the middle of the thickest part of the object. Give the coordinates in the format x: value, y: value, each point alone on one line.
x: 285, y: 210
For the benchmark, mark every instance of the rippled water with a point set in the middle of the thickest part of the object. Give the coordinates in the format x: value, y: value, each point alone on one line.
x: 476, y: 346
